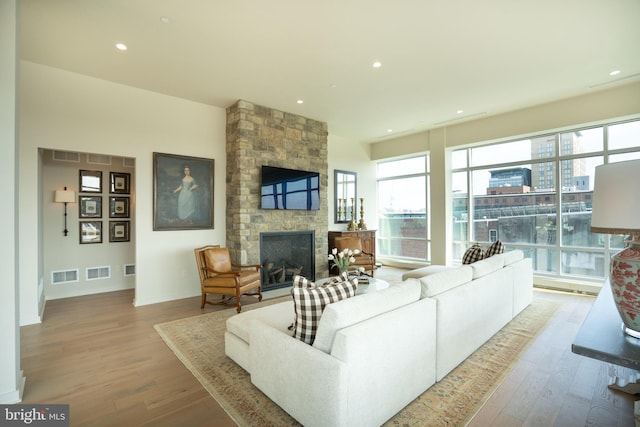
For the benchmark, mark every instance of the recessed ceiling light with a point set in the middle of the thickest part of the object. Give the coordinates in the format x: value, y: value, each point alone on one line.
x: 164, y: 19
x: 121, y: 46
x: 300, y: 101
x: 389, y: 130
x: 614, y: 73
x: 333, y: 85
x: 377, y: 64
x: 460, y: 111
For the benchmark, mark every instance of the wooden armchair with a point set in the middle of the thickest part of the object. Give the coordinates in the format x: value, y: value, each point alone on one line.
x: 218, y: 275
x: 363, y: 259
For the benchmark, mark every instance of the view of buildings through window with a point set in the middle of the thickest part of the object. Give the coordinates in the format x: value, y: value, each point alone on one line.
x: 403, y: 209
x: 533, y: 194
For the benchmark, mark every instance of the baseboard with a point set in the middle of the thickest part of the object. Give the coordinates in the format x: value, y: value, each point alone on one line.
x: 14, y: 396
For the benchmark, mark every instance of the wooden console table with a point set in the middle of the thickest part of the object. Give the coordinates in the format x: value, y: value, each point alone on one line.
x: 368, y: 238
x: 601, y: 337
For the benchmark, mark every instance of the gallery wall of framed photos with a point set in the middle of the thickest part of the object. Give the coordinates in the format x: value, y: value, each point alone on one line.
x: 91, y: 209
x: 98, y: 253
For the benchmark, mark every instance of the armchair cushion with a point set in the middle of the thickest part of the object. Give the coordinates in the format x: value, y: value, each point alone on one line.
x: 217, y: 259
x: 309, y: 303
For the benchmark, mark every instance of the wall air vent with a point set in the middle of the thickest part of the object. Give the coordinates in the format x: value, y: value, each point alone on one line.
x: 128, y: 162
x: 64, y: 276
x: 66, y: 156
x: 96, y: 273
x: 98, y: 159
x: 129, y: 269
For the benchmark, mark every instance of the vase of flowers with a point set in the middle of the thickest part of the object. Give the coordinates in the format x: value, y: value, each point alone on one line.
x: 342, y: 259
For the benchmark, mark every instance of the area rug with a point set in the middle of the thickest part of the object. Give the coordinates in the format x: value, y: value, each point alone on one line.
x: 199, y: 343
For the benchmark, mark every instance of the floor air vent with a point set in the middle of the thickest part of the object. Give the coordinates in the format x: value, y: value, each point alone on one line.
x: 129, y: 269
x: 95, y: 273
x: 64, y: 276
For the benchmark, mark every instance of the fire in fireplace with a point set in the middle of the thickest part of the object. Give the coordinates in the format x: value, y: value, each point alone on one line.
x: 284, y: 255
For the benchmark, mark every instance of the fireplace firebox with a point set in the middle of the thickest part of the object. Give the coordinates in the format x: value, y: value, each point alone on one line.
x: 284, y: 255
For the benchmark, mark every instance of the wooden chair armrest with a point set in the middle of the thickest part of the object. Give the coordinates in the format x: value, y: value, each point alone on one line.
x: 256, y: 266
x: 222, y: 273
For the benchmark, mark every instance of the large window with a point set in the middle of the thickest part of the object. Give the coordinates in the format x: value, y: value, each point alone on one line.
x: 403, y: 226
x: 535, y: 194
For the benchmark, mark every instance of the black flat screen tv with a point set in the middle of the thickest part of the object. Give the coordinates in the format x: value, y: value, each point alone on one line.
x: 289, y: 189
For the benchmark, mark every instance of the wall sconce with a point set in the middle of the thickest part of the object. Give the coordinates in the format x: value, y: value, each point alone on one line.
x: 65, y: 196
x: 616, y: 210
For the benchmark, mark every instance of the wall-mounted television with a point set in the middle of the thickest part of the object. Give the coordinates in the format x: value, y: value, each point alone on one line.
x: 289, y: 189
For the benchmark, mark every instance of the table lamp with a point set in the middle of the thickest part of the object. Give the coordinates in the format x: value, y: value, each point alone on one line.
x: 616, y: 210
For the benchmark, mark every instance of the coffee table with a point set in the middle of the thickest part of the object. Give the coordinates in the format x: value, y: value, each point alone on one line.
x: 374, y: 285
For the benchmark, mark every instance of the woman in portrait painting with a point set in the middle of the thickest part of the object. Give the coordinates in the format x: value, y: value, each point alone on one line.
x: 186, y: 198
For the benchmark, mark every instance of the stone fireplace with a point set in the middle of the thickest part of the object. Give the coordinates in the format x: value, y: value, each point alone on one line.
x: 283, y: 255
x: 256, y: 136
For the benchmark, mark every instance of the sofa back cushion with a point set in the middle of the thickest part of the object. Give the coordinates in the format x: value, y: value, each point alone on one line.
x: 512, y: 256
x: 487, y: 266
x: 309, y: 304
x: 353, y: 310
x: 435, y: 284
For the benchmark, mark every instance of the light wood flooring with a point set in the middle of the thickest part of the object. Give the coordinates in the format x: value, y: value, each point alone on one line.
x: 102, y: 356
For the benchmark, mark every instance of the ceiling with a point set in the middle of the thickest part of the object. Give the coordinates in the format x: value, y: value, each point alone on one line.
x: 443, y: 61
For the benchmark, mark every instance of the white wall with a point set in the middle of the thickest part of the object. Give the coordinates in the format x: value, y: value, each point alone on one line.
x: 11, y: 378
x: 345, y: 154
x: 67, y: 111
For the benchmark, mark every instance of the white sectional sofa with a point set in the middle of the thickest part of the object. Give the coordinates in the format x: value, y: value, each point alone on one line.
x: 374, y: 353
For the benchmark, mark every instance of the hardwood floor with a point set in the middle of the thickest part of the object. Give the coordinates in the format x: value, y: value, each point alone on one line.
x: 102, y: 356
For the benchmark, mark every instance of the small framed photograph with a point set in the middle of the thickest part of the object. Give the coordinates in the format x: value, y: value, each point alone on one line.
x: 120, y: 182
x: 90, y: 206
x: 90, y: 232
x: 118, y: 207
x: 118, y: 231
x: 90, y: 181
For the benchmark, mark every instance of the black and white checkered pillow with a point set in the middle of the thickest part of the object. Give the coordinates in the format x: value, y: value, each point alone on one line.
x: 310, y: 303
x: 496, y: 247
x: 303, y: 282
x: 473, y: 254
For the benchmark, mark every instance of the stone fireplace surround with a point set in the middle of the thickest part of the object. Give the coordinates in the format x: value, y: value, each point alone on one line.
x: 256, y: 136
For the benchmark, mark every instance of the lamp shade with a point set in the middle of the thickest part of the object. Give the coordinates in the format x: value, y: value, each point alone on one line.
x: 616, y: 201
x: 65, y: 196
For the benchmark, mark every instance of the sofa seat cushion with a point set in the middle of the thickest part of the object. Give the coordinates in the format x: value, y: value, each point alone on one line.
x: 487, y: 266
x: 309, y: 304
x: 445, y: 280
x: 276, y: 315
x: 425, y: 271
x: 354, y: 310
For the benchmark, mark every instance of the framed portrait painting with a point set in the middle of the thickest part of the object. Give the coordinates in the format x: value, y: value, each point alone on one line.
x: 182, y: 192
